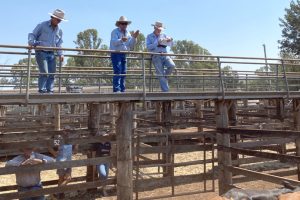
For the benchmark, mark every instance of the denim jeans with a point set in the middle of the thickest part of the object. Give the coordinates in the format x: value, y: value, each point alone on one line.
x: 64, y: 154
x: 164, y: 66
x: 119, y: 66
x: 103, y: 170
x: 47, y: 64
x: 24, y: 189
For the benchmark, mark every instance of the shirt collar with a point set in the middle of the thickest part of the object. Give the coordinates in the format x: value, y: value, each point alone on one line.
x: 49, y: 24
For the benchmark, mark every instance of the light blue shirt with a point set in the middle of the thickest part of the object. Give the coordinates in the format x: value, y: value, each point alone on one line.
x: 31, y: 178
x: 44, y: 35
x: 152, y: 43
x: 116, y: 42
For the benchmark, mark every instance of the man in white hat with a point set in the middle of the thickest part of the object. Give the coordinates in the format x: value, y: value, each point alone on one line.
x: 121, y: 40
x: 47, y: 34
x: 157, y: 42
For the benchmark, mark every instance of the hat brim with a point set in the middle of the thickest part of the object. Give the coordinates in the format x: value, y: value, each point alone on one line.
x: 62, y: 19
x: 118, y: 22
x: 158, y: 27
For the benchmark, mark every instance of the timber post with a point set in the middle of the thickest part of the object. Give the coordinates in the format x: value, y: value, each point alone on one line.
x: 93, y: 124
x: 166, y: 119
x: 56, y: 113
x: 124, y: 152
x: 296, y: 111
x: 223, y: 140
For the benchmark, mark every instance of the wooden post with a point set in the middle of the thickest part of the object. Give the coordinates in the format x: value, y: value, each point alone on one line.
x: 92, y: 126
x: 280, y: 109
x: 233, y: 122
x: 166, y: 119
x: 158, y: 109
x: 124, y: 152
x: 224, y: 158
x: 199, y: 112
x: 42, y: 110
x: 296, y: 109
x: 56, y: 112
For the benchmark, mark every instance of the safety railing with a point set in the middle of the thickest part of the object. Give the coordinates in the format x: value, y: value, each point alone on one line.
x: 193, y: 73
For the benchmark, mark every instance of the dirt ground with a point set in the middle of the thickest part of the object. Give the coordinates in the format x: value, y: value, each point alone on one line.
x: 185, y: 192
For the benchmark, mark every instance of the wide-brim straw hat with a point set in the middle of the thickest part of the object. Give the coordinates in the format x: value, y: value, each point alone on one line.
x: 123, y: 19
x: 58, y: 14
x: 159, y: 25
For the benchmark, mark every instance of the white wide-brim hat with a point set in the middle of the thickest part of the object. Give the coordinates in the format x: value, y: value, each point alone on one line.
x: 58, y: 14
x: 159, y: 25
x: 122, y: 19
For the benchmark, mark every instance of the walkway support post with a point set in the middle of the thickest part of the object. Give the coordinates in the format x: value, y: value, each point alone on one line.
x: 124, y: 152
x: 223, y: 140
x: 296, y: 111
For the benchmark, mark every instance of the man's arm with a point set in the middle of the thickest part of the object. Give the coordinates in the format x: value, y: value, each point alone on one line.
x: 151, y: 44
x: 32, y: 37
x: 115, y: 40
x: 46, y: 159
x: 58, y: 44
x: 15, y: 161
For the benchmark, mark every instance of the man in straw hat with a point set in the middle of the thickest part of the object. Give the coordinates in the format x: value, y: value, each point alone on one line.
x: 29, y: 180
x: 157, y: 42
x: 47, y: 34
x: 121, y: 40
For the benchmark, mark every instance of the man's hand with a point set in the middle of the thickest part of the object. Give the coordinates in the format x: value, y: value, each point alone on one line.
x: 124, y: 39
x: 135, y: 34
x: 61, y: 58
x: 32, y: 161
x: 169, y: 39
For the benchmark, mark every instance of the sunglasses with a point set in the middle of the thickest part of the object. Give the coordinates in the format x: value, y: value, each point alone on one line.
x: 124, y: 24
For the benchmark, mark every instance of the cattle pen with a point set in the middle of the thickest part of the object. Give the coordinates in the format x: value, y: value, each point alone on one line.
x: 228, y: 118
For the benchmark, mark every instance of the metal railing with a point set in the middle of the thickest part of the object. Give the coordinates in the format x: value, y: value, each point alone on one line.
x: 193, y: 73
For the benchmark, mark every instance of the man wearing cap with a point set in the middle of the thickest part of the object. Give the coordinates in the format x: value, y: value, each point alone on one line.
x: 47, y: 34
x: 121, y: 40
x: 29, y: 180
x: 157, y: 42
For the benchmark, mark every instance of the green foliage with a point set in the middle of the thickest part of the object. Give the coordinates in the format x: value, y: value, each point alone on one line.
x: 88, y: 39
x: 189, y: 47
x: 231, y: 79
x: 291, y: 29
x: 20, y: 69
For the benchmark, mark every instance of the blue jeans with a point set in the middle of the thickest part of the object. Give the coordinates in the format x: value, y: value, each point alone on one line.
x: 119, y: 66
x: 103, y: 170
x: 25, y: 189
x: 164, y: 66
x: 47, y: 64
x: 64, y: 154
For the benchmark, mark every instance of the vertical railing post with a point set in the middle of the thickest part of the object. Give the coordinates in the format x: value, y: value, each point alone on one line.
x: 246, y: 82
x: 277, y: 84
x: 144, y: 77
x: 21, y: 80
x: 28, y: 75
x: 285, y: 79
x: 150, y: 76
x: 221, y: 84
x: 177, y: 80
x: 59, y: 76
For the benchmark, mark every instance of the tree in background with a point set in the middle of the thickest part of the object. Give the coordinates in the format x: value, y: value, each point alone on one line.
x: 88, y: 39
x: 290, y: 24
x: 20, y: 70
x: 201, y: 73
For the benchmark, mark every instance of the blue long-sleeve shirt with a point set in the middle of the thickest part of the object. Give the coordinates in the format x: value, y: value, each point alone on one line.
x: 116, y: 42
x: 29, y: 178
x: 44, y: 35
x: 152, y: 43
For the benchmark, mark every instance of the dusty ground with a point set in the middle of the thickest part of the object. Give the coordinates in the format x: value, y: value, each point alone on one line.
x: 185, y: 192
